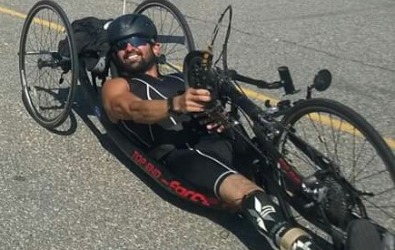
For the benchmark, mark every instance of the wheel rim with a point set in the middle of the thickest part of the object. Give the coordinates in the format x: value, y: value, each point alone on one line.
x: 357, y: 159
x: 174, y: 39
x: 42, y: 90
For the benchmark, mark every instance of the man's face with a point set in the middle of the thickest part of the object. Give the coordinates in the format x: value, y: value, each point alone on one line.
x: 138, y: 58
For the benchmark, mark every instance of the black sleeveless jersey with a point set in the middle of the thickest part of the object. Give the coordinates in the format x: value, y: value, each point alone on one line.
x: 176, y: 130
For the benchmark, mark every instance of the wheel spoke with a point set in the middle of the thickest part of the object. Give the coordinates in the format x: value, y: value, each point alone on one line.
x: 48, y: 102
x: 171, y: 25
x: 352, y: 145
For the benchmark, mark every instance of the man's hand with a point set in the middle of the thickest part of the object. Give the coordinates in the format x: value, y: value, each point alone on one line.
x: 213, y: 121
x: 193, y: 100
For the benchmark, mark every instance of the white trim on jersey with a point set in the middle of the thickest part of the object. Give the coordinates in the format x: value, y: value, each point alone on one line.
x: 156, y: 91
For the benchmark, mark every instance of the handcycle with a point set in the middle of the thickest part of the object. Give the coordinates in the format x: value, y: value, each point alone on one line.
x: 322, y: 161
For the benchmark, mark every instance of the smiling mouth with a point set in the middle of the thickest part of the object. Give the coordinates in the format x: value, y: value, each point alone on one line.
x: 132, y: 57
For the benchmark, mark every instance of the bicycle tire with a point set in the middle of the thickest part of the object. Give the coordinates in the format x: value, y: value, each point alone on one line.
x: 176, y: 41
x: 320, y: 114
x: 58, y: 96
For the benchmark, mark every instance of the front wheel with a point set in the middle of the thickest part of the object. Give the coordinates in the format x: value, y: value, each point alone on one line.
x: 357, y: 154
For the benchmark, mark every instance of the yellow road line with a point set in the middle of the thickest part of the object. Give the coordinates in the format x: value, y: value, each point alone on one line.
x: 348, y: 128
x: 250, y: 93
x: 261, y: 97
x: 12, y: 12
x: 36, y: 20
x: 48, y: 24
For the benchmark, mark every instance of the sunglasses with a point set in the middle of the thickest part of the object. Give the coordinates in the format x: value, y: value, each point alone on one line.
x: 135, y: 41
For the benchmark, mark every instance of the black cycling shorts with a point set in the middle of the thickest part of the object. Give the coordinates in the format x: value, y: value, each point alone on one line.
x: 205, y: 165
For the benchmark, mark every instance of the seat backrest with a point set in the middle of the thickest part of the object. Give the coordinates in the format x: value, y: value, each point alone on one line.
x: 91, y: 43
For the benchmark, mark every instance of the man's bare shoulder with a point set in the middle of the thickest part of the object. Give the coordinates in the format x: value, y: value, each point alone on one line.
x: 113, y: 90
x: 116, y: 84
x: 116, y: 81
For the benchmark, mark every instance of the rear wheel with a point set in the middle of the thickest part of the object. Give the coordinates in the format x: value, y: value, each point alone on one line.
x: 48, y: 77
x: 173, y: 33
x: 356, y: 151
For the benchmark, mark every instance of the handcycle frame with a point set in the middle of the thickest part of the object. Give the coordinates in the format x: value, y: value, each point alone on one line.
x: 271, y: 168
x: 139, y: 157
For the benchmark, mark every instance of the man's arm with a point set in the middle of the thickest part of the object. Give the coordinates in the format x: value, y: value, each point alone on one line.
x: 121, y: 104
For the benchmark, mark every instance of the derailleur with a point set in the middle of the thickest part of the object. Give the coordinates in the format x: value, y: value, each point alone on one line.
x: 314, y: 188
x: 326, y: 193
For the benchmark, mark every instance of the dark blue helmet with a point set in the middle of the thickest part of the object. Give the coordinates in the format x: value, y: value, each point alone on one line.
x: 129, y: 25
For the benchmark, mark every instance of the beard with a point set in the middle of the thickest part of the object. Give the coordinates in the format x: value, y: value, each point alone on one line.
x: 140, y: 66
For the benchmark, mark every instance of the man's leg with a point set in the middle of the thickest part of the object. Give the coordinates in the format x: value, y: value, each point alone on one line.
x: 266, y: 216
x: 208, y: 167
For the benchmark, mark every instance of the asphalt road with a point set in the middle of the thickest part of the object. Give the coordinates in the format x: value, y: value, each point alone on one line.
x: 76, y: 192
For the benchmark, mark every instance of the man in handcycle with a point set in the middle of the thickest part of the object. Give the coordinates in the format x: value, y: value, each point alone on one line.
x: 156, y: 110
